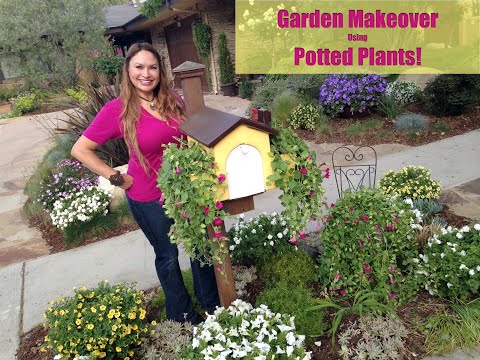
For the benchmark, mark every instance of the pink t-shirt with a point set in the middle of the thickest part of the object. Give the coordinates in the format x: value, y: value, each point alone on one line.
x: 152, y: 133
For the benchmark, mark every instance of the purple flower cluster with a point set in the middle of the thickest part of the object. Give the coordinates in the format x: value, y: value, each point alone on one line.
x: 69, y: 176
x: 357, y: 92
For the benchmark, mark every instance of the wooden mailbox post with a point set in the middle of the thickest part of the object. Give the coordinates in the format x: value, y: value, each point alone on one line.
x: 241, y: 148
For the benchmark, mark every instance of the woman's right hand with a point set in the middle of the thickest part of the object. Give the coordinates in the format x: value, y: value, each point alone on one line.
x: 128, y: 181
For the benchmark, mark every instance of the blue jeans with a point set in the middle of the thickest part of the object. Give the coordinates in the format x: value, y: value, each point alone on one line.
x: 155, y: 224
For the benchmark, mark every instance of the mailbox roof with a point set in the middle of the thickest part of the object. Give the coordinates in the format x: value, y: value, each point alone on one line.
x: 208, y: 126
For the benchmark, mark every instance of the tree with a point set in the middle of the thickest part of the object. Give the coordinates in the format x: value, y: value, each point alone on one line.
x: 51, y: 40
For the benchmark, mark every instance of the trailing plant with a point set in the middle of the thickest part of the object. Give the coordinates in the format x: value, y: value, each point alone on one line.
x: 283, y: 105
x: 389, y: 106
x: 452, y: 94
x: 285, y: 268
x: 456, y: 327
x: 245, y: 90
x: 304, y: 117
x: 227, y: 72
x: 369, y: 244
x: 412, y: 122
x: 294, y: 300
x: 374, y: 337
x: 168, y: 341
x: 449, y: 266
x: 299, y: 178
x: 364, y: 301
x: 352, y: 92
x: 244, y: 331
x: 256, y: 240
x: 81, y: 206
x: 202, y: 38
x: 190, y: 186
x: 106, y: 322
x: 411, y: 182
x: 404, y: 92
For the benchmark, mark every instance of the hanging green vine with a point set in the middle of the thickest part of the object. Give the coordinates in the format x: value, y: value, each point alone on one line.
x: 202, y: 37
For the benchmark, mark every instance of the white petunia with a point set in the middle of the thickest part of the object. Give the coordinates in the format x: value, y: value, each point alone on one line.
x: 476, y: 227
x: 471, y: 272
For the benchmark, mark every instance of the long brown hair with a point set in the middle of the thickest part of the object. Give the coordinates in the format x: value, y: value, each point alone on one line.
x: 168, y: 104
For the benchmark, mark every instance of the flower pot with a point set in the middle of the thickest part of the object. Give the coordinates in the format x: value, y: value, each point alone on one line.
x: 228, y: 89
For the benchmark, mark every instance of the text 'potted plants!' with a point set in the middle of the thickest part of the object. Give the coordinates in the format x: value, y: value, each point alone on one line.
x: 227, y: 72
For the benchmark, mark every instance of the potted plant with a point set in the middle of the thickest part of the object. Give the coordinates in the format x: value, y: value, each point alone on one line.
x: 227, y: 73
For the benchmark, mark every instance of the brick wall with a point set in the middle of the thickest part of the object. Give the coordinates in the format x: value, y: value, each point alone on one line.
x: 159, y: 42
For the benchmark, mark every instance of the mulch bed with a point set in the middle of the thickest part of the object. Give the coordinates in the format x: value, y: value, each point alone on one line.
x: 388, y: 134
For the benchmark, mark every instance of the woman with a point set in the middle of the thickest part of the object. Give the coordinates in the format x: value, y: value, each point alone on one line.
x: 147, y: 115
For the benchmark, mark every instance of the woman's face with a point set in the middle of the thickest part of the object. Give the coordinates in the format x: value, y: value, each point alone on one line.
x: 144, y: 72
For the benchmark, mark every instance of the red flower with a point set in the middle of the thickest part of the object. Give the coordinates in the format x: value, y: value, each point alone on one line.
x: 221, y: 178
x: 219, y: 205
x: 177, y: 171
x: 217, y: 221
x: 367, y: 268
x: 342, y: 292
x: 206, y: 209
x: 303, y: 171
x: 332, y: 205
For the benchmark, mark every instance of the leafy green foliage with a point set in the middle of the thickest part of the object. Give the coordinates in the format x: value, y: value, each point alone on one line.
x: 293, y: 268
x: 49, y: 41
x: 299, y: 178
x: 227, y: 72
x: 304, y: 117
x: 449, y: 265
x: 358, y: 128
x: 25, y: 103
x: 77, y: 94
x: 202, y: 38
x: 363, y: 301
x: 404, y: 92
x: 265, y: 94
x: 307, y: 86
x: 411, y: 182
x: 257, y: 240
x: 412, y: 122
x: 458, y: 327
x: 108, y: 63
x: 452, y: 94
x: 294, y: 300
x: 388, y: 105
x: 150, y: 8
x: 104, y: 322
x: 369, y: 244
x: 7, y: 93
x: 190, y: 187
x: 245, y: 90
x: 427, y: 207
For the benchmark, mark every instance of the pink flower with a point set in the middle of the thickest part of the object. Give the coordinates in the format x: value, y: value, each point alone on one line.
x: 212, y: 165
x: 177, y: 170
x: 327, y: 173
x: 371, y: 280
x: 356, y: 222
x: 303, y: 171
x: 218, y: 234
x: 367, y: 268
x: 293, y: 240
x: 302, y: 235
x: 334, y: 288
x: 395, y: 219
x: 206, y: 209
x: 217, y: 221
x: 309, y: 157
x: 219, y: 205
x: 332, y: 205
x: 392, y: 296
x: 377, y: 227
x: 95, y: 52
x: 360, y: 244
x: 221, y: 178
x: 379, y: 233
x: 161, y: 200
x: 337, y: 276
x: 392, y: 281
x: 119, y: 51
x: 311, y: 193
x: 390, y: 227
x: 342, y: 292
x: 365, y: 218
x: 392, y: 269
x: 184, y: 214
x: 180, y: 203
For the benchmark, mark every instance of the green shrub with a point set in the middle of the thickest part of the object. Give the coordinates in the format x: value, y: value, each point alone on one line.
x: 168, y: 341
x: 275, y: 77
x: 306, y: 85
x: 294, y: 301
x: 453, y: 94
x: 77, y: 94
x: 404, y: 92
x: 108, y: 63
x: 246, y: 89
x: 389, y: 106
x: 411, y: 182
x: 427, y: 207
x: 103, y: 322
x: 369, y: 244
x: 283, y: 106
x: 265, y: 94
x: 412, y: 122
x: 7, y: 93
x: 25, y: 103
x: 304, y: 117
x: 227, y: 71
x: 258, y: 239
x: 286, y: 268
x: 450, y: 266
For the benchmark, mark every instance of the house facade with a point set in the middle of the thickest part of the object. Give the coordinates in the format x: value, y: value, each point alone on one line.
x: 171, y: 31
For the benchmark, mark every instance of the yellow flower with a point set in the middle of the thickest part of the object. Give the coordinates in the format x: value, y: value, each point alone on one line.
x: 154, y: 322
x: 89, y: 347
x: 132, y: 315
x: 93, y: 310
x: 90, y: 326
x: 114, y: 328
x: 78, y: 321
x: 60, y: 347
x: 103, y: 307
x: 118, y: 349
x: 102, y: 355
x: 79, y: 305
x: 100, y: 318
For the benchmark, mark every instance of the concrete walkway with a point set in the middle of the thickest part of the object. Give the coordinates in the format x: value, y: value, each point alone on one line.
x: 27, y: 287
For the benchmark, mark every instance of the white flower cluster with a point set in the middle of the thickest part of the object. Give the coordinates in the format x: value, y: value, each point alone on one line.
x: 245, y: 229
x: 80, y: 206
x: 403, y: 92
x: 243, y: 331
x: 414, y: 222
